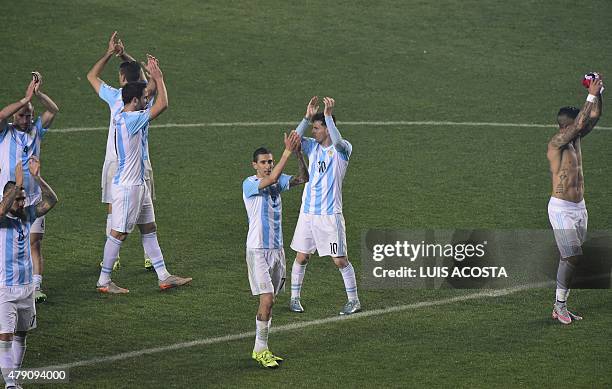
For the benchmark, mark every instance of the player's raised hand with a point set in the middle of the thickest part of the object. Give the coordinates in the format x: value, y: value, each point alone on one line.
x: 30, y: 90
x: 37, y: 78
x: 312, y: 107
x: 595, y: 86
x: 153, y: 67
x: 112, y: 42
x: 295, y: 137
x: 329, y: 106
x: 19, y: 175
x: 119, y: 48
x: 34, y: 165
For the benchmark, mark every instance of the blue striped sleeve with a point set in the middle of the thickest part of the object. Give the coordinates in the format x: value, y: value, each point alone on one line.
x: 109, y: 94
x: 308, y: 144
x: 137, y: 120
x: 301, y: 128
x: 250, y: 187
x: 283, y: 181
x: 39, y: 128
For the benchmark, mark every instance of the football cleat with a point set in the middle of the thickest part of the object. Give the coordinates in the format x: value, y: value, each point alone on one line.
x: 561, y: 313
x: 173, y: 282
x: 116, y: 265
x: 266, y: 359
x: 39, y: 296
x: 148, y: 264
x: 295, y: 305
x: 351, y: 306
x: 111, y: 288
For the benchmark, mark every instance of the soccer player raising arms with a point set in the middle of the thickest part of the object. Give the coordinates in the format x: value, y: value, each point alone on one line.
x: 566, y: 208
x: 132, y: 204
x: 129, y: 71
x: 265, y: 255
x: 17, y: 310
x: 320, y: 225
x: 19, y: 141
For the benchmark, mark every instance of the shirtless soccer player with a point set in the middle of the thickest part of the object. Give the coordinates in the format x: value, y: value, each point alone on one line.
x: 320, y: 226
x: 265, y: 255
x: 566, y: 209
x: 129, y: 71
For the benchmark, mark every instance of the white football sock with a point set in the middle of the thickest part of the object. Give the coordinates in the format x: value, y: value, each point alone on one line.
x: 261, y: 335
x: 297, y: 277
x: 152, y: 249
x: 6, y: 360
x: 111, y: 252
x: 19, y: 349
x: 350, y: 283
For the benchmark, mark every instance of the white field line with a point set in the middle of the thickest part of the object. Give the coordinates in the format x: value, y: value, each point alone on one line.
x: 296, y: 326
x: 373, y: 123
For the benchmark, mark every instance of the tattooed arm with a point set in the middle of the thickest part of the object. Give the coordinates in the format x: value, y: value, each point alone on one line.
x: 566, y: 134
x: 593, y: 117
x: 302, y: 176
x: 49, y: 198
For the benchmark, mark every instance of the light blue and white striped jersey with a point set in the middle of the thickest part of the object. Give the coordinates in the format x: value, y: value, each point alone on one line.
x: 15, y: 259
x: 327, y: 166
x: 112, y: 97
x: 131, y: 132
x: 19, y: 146
x: 264, y: 209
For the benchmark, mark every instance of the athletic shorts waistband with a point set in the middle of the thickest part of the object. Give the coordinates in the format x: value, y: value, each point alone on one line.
x: 564, y: 204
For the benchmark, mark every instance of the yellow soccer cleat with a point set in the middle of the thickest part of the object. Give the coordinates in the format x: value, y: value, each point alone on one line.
x: 266, y: 359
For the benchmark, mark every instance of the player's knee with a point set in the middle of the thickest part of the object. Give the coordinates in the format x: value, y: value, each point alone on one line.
x: 341, y: 262
x: 119, y: 235
x: 6, y: 337
x: 302, y: 258
x: 147, y: 228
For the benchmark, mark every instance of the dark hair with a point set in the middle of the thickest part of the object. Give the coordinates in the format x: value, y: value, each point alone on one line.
x: 130, y: 70
x: 260, y: 151
x: 320, y: 116
x: 8, y: 186
x: 567, y: 115
x: 131, y: 90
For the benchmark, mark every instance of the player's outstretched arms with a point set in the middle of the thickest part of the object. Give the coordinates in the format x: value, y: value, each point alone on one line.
x: 49, y: 198
x: 291, y: 144
x: 10, y: 109
x: 51, y: 109
x: 7, y: 200
x: 311, y: 109
x: 161, y: 102
x: 302, y: 176
x: 93, y: 76
x: 565, y: 135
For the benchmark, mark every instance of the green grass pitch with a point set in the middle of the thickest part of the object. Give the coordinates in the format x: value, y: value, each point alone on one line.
x: 238, y: 61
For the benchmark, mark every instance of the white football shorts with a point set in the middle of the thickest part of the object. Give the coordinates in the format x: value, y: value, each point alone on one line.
x: 17, y: 310
x: 569, y: 223
x: 108, y: 172
x: 38, y: 227
x: 324, y: 233
x: 132, y: 205
x: 267, y: 270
